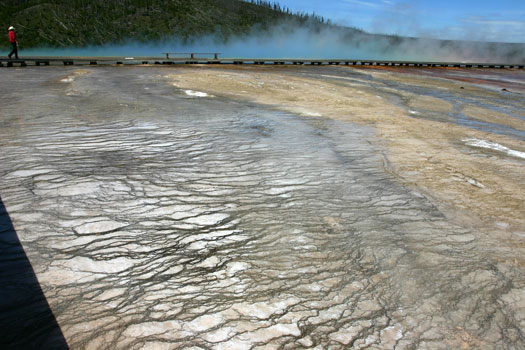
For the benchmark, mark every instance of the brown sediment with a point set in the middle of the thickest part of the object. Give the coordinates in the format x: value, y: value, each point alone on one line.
x: 489, y: 78
x: 429, y: 103
x: 490, y: 116
x: 477, y: 184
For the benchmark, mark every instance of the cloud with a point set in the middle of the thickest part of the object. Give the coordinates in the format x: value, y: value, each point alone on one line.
x: 366, y: 3
x: 409, y: 18
x: 483, y: 21
x: 492, y: 29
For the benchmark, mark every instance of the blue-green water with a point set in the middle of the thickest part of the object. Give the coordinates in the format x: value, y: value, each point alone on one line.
x: 309, y: 45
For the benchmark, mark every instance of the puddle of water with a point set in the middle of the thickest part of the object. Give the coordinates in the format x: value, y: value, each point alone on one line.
x: 494, y: 146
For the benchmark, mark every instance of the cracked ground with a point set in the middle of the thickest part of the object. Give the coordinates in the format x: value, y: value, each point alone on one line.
x: 155, y: 217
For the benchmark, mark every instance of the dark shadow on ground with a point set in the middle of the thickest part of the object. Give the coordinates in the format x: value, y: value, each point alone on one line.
x: 26, y: 321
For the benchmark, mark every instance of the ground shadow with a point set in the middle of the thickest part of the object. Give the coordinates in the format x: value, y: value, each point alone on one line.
x: 26, y: 321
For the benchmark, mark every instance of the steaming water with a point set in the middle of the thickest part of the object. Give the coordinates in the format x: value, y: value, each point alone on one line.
x: 290, y: 41
x: 159, y: 220
x: 286, y: 45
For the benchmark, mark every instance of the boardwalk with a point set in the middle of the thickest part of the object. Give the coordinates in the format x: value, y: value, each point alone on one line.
x: 191, y: 59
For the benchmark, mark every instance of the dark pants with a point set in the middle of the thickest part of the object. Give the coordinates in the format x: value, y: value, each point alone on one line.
x: 14, y: 51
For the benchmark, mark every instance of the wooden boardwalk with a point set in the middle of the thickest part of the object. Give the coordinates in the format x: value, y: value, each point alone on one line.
x: 79, y: 61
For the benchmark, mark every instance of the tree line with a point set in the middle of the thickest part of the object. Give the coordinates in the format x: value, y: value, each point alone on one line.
x: 61, y: 23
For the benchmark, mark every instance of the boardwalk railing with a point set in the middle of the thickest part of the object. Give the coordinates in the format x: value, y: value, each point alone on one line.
x: 193, y: 54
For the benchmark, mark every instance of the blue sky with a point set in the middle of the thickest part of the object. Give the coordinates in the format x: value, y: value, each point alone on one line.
x: 483, y: 20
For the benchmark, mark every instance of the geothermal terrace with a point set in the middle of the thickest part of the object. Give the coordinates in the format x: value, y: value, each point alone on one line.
x: 262, y: 207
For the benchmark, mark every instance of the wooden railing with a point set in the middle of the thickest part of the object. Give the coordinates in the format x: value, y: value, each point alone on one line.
x: 192, y: 54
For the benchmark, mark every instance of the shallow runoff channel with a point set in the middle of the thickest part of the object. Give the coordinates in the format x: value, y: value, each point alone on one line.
x: 158, y: 218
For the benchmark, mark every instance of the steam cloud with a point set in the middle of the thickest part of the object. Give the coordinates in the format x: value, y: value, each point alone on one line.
x: 289, y: 40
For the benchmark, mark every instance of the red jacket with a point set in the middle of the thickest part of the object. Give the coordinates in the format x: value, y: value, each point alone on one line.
x: 12, y: 36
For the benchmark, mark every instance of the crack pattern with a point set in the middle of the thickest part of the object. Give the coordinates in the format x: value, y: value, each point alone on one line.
x: 167, y: 224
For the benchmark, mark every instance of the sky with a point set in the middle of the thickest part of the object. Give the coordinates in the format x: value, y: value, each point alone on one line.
x: 481, y: 20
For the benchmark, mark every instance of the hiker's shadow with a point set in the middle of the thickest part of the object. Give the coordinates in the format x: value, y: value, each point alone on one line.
x: 26, y: 320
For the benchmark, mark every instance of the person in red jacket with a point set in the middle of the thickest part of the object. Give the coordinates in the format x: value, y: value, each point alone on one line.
x: 14, y: 42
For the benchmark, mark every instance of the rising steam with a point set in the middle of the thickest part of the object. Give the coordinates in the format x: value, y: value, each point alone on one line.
x: 290, y: 40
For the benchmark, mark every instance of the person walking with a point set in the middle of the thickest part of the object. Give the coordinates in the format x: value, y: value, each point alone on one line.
x: 14, y: 42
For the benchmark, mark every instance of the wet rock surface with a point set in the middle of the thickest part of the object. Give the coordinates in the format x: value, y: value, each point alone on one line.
x: 155, y: 219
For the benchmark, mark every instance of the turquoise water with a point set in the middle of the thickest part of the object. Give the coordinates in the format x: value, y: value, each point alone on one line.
x: 308, y: 45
